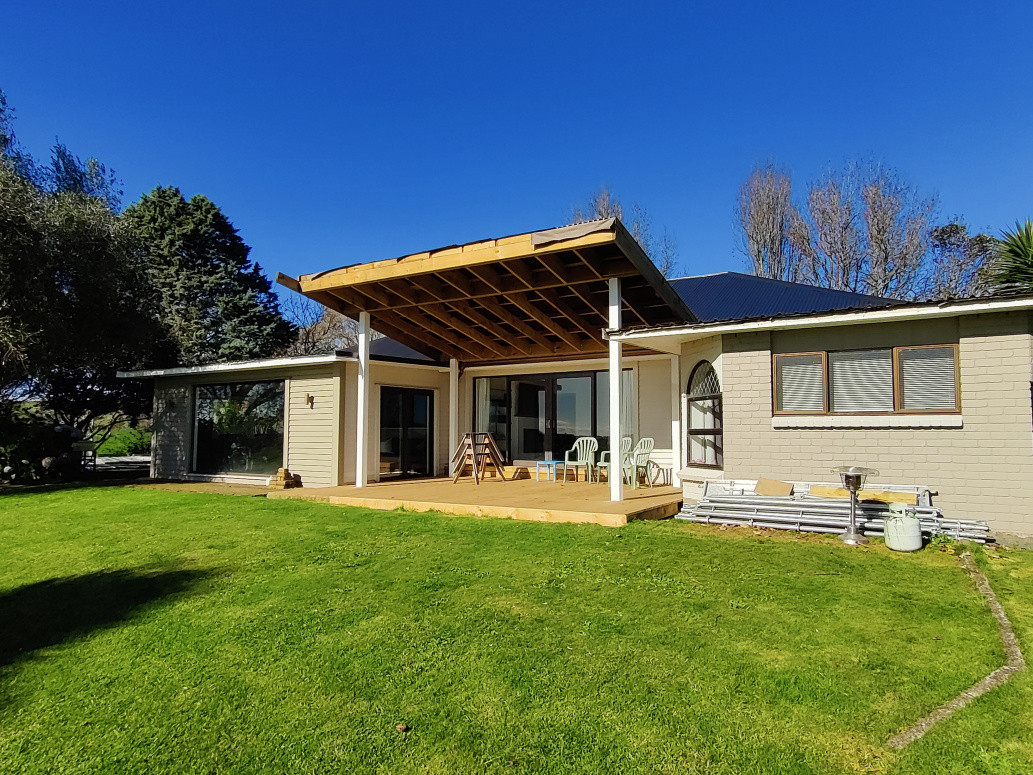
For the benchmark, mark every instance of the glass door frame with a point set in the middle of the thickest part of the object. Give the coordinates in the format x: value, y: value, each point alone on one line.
x: 549, y: 381
x: 404, y: 424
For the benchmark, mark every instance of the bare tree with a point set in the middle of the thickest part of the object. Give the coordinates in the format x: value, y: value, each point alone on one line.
x: 321, y: 330
x: 959, y: 262
x: 605, y: 204
x: 602, y: 204
x: 864, y: 229
x: 764, y: 212
x: 665, y: 254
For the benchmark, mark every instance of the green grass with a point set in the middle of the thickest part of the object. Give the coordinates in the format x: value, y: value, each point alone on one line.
x: 149, y: 631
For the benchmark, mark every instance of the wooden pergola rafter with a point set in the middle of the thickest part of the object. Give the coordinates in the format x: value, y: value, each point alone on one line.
x: 532, y: 296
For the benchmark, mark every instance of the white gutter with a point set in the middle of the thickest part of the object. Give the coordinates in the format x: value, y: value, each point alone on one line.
x: 270, y: 363
x: 215, y: 368
x: 831, y: 319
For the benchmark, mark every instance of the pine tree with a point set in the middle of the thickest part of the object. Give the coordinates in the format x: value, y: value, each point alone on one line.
x: 214, y: 302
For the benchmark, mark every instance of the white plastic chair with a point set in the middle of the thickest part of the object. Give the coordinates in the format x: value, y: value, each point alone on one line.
x: 583, y: 453
x: 604, y: 458
x: 638, y: 460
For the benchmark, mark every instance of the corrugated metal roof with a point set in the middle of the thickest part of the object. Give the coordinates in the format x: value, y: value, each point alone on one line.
x: 736, y: 296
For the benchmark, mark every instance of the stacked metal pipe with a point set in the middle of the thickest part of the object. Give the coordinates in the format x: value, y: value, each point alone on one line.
x: 822, y: 515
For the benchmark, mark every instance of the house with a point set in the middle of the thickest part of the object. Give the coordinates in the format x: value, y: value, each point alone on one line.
x: 529, y: 336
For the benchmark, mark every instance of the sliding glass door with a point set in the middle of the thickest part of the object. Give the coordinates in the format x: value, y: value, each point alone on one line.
x: 538, y: 416
x: 529, y: 424
x: 406, y: 432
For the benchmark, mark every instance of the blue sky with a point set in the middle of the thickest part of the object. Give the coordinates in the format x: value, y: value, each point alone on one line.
x: 332, y: 133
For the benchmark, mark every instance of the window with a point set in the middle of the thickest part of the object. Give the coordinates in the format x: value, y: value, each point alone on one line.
x: 238, y: 428
x: 895, y: 380
x: 532, y: 416
x: 703, y: 413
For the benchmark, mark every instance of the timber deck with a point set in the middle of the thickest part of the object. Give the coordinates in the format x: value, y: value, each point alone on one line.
x: 525, y: 499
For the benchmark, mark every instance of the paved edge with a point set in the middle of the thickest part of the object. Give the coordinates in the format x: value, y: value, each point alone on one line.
x: 1015, y: 663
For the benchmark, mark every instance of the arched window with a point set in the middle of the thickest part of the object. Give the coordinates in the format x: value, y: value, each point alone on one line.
x: 703, y: 414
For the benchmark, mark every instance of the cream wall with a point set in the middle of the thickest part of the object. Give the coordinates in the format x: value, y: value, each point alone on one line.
x: 983, y: 470
x: 310, y: 439
x: 399, y: 375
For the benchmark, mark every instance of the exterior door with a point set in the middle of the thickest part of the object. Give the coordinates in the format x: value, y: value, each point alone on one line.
x: 406, y: 432
x: 529, y: 431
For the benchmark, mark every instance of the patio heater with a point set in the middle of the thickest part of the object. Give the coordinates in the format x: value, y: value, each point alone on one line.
x: 853, y: 480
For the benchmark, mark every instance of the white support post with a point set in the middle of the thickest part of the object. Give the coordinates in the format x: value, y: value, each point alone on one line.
x: 453, y: 407
x: 676, y: 432
x: 616, y: 473
x: 362, y: 397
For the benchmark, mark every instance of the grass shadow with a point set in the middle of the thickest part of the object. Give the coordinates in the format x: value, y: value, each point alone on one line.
x: 47, y: 613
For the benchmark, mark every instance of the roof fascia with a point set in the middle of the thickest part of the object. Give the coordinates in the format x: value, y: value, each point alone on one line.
x: 825, y: 320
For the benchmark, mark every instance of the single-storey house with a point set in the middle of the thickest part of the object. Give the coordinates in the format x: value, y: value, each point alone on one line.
x: 542, y: 337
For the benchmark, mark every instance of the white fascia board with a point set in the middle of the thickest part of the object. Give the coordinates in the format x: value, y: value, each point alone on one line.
x: 665, y: 336
x: 558, y: 366
x: 217, y: 368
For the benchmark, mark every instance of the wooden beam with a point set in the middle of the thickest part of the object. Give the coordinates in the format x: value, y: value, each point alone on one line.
x: 420, y: 341
x: 441, y: 313
x: 520, y: 271
x: 560, y: 273
x: 488, y: 276
x: 386, y: 300
x: 587, y: 263
x: 456, y: 336
x: 593, y: 332
x: 472, y: 254
x: 525, y: 305
x: 513, y: 321
x: 492, y: 326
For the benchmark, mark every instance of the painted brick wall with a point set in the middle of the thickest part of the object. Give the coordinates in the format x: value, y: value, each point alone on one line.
x: 171, y: 427
x: 982, y: 470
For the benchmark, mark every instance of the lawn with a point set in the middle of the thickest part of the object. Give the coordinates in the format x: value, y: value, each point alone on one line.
x: 152, y: 631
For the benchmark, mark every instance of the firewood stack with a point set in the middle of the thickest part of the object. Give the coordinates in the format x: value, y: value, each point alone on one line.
x: 283, y: 480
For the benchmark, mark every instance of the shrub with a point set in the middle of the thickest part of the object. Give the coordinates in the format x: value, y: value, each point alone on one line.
x: 126, y: 441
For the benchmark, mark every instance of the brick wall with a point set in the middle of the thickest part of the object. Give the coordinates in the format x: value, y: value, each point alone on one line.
x: 983, y: 470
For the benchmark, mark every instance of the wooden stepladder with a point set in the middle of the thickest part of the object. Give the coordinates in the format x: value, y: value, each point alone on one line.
x: 478, y: 452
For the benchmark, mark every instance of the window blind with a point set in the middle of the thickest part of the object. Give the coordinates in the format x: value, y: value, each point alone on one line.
x: 928, y: 379
x: 801, y: 383
x: 861, y: 381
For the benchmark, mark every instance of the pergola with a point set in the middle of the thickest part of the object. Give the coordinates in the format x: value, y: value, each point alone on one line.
x: 528, y: 297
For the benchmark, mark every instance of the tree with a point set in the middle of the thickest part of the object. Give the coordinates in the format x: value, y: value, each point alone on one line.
x: 70, y: 174
x: 1012, y: 268
x: 74, y: 306
x: 863, y: 229
x: 320, y: 330
x: 605, y: 204
x: 764, y: 212
x: 959, y: 261
x: 214, y: 302
x: 11, y: 151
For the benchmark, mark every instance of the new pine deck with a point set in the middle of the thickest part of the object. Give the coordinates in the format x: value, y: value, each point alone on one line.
x: 525, y: 499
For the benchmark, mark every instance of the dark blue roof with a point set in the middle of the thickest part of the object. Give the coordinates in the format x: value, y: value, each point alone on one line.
x: 736, y: 296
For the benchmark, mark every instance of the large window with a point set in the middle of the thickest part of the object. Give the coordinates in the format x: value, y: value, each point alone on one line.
x: 538, y: 416
x: 238, y: 428
x: 703, y: 414
x: 880, y: 381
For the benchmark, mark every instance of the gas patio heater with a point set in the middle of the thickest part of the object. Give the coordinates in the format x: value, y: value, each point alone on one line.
x: 853, y: 480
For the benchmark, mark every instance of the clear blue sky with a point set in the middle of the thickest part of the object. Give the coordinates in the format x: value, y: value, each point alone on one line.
x: 332, y: 133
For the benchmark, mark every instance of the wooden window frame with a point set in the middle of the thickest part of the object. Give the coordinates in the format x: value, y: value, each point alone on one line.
x: 713, y: 432
x: 776, y: 392
x: 898, y: 385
